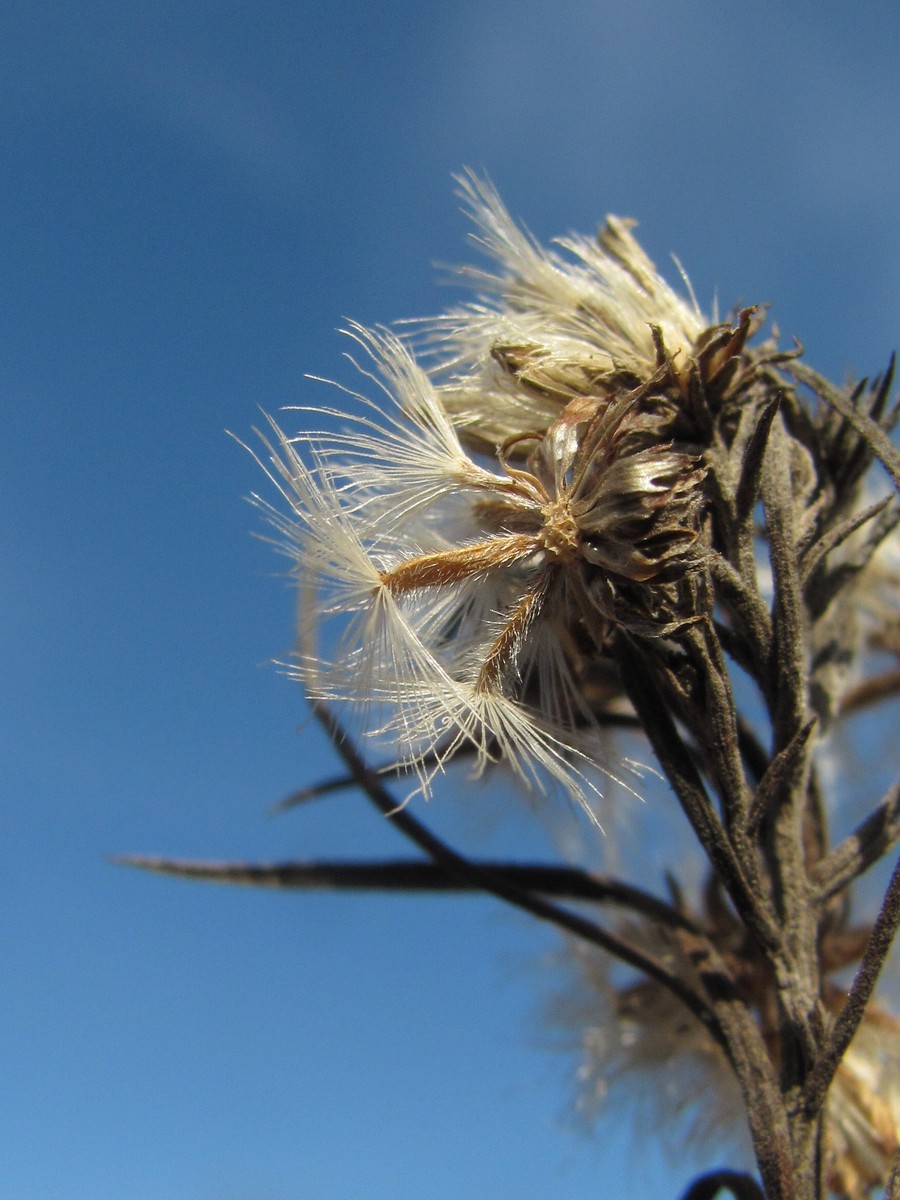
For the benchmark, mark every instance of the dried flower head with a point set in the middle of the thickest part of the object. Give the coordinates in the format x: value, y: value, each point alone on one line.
x: 548, y: 327
x: 481, y: 537
x: 592, y: 318
x: 477, y: 594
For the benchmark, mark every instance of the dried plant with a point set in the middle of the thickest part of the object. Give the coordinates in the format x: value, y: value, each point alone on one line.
x: 580, y: 505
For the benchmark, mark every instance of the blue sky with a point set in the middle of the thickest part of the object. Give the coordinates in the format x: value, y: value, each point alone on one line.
x: 193, y: 197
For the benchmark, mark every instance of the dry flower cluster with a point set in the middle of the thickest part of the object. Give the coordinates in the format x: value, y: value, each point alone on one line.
x: 582, y: 503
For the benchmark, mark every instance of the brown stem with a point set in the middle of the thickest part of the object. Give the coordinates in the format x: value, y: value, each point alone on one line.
x: 685, y: 780
x: 870, y: 691
x: 406, y: 875
x: 869, y: 842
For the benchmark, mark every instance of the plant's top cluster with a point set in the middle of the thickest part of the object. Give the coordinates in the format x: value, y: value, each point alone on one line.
x: 541, y: 487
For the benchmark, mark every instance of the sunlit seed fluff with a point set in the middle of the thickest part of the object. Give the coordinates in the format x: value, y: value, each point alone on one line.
x: 460, y: 603
x: 551, y: 324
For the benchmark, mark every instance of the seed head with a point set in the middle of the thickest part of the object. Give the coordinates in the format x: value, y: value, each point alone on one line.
x: 481, y: 536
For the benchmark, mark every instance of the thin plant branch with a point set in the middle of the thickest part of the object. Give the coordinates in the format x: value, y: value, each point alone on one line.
x: 847, y: 1023
x: 870, y: 691
x: 688, y: 787
x: 316, y: 791
x: 406, y: 875
x: 860, y: 850
x: 857, y: 418
x: 719, y: 708
x: 345, y: 782
x: 780, y: 776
